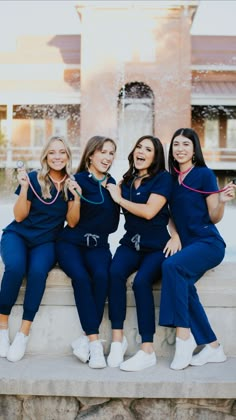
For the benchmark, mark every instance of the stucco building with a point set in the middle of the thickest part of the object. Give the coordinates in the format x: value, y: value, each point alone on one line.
x: 133, y: 68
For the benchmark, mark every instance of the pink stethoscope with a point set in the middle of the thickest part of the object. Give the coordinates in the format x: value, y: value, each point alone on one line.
x: 21, y: 164
x: 193, y: 189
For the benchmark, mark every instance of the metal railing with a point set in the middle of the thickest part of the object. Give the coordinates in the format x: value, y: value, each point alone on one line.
x: 29, y: 155
x: 218, y: 158
x: 220, y: 154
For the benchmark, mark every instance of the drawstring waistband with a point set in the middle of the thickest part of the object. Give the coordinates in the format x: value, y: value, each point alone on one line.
x: 89, y: 236
x: 136, y: 240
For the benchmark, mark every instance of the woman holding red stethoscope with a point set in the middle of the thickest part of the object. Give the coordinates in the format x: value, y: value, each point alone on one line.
x: 196, y: 206
x: 28, y: 243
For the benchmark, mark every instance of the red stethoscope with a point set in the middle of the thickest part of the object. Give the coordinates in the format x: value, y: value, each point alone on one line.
x: 21, y: 165
x: 193, y: 189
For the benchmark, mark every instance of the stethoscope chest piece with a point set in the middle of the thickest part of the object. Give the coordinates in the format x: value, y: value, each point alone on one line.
x: 20, y: 164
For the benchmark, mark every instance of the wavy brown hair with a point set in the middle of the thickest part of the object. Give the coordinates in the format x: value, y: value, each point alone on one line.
x: 93, y: 144
x: 158, y: 163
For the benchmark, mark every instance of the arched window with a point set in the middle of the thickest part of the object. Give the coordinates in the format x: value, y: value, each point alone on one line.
x: 135, y: 115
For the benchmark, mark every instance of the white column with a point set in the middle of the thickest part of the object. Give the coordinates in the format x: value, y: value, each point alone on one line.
x: 9, y: 135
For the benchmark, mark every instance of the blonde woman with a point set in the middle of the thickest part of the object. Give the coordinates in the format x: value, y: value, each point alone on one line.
x: 28, y: 242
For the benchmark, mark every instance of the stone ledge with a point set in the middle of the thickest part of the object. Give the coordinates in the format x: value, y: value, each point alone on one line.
x: 66, y: 376
x: 217, y: 288
x: 57, y: 324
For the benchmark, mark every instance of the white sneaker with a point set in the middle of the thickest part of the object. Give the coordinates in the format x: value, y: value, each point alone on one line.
x: 76, y: 342
x: 97, y: 359
x: 183, y: 352
x: 18, y: 347
x: 209, y: 355
x: 117, y: 352
x: 81, y: 348
x: 139, y: 361
x: 4, y: 342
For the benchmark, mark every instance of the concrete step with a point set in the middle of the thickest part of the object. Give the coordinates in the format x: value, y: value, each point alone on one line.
x: 57, y: 322
x: 41, y: 375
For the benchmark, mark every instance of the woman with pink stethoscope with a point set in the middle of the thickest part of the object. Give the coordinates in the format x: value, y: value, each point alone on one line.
x: 28, y: 243
x: 196, y: 206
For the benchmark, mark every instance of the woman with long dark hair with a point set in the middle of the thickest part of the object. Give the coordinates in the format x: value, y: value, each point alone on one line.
x: 143, y: 195
x: 196, y: 206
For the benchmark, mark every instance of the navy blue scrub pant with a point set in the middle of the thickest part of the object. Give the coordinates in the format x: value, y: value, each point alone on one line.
x: 20, y: 260
x: 148, y: 266
x: 180, y: 305
x: 88, y: 269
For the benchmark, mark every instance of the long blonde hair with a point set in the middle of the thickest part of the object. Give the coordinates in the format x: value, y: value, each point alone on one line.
x: 43, y: 174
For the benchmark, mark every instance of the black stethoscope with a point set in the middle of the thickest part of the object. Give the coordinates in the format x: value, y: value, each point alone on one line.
x: 123, y: 211
x: 132, y: 184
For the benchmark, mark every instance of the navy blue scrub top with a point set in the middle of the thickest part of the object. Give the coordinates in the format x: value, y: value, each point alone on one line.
x: 189, y: 209
x: 44, y: 221
x: 96, y: 221
x: 142, y: 234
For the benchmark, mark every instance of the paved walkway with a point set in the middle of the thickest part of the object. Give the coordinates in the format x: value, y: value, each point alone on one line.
x: 66, y: 376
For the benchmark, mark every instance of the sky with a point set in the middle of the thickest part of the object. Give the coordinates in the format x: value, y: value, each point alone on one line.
x: 39, y: 16
x: 32, y: 17
x: 213, y: 17
x: 50, y: 17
